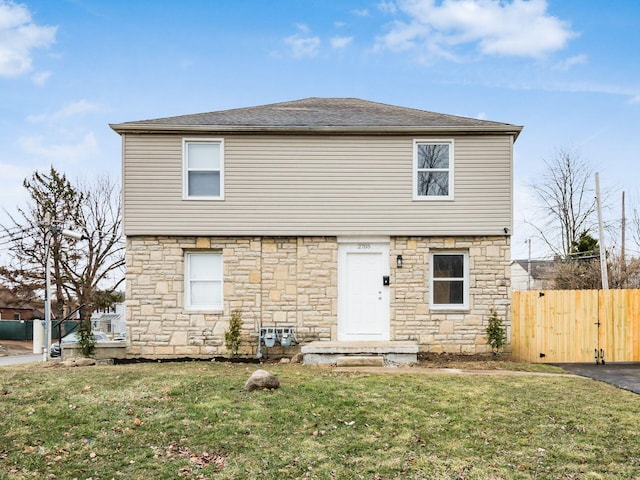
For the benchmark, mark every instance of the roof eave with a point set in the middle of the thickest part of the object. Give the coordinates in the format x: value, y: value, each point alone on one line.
x: 340, y: 130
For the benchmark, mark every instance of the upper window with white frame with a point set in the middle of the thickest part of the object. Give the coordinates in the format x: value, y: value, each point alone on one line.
x: 203, y: 281
x: 203, y: 161
x: 433, y: 170
x: 450, y: 280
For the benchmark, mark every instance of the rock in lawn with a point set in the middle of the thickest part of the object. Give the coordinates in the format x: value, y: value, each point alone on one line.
x: 261, y: 379
x: 297, y: 358
x: 85, y: 362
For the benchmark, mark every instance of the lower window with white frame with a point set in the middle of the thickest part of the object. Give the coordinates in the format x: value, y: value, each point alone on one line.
x: 203, y: 281
x: 449, y: 280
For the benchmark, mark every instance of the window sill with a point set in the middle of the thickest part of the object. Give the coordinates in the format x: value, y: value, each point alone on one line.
x: 199, y: 199
x: 433, y: 199
x: 203, y: 311
x: 449, y: 309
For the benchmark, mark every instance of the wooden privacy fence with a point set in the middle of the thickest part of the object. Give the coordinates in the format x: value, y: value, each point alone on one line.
x: 566, y: 326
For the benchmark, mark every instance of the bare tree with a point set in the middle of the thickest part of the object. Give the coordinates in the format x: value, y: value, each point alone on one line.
x: 100, y: 271
x: 52, y: 196
x: 635, y: 232
x: 576, y: 274
x: 87, y: 272
x: 623, y: 273
x: 568, y: 202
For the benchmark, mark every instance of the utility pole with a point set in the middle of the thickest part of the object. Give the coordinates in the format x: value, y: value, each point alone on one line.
x: 623, y: 261
x: 529, y: 266
x: 47, y: 287
x: 50, y: 230
x: 603, y: 250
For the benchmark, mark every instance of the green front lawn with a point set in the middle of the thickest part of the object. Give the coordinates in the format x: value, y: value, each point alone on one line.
x: 193, y: 420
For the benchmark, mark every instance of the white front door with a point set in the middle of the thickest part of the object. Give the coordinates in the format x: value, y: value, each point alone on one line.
x: 363, y: 299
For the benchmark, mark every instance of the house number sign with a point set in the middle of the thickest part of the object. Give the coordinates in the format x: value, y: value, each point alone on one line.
x: 364, y: 246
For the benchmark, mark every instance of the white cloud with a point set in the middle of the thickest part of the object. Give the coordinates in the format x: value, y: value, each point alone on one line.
x: 301, y: 44
x: 87, y: 147
x: 361, y: 12
x: 18, y: 37
x: 341, y: 42
x: 584, y: 87
x: 387, y: 6
x: 495, y: 27
x: 401, y: 37
x: 481, y: 116
x: 571, y: 62
x: 73, y: 109
x: 303, y: 28
x: 41, y: 78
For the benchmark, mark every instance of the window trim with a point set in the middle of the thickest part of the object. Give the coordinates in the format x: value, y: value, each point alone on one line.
x: 465, y: 279
x: 187, y: 283
x: 450, y: 170
x: 185, y: 167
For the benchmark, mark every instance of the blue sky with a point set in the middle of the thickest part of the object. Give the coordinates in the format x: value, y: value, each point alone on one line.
x: 568, y: 71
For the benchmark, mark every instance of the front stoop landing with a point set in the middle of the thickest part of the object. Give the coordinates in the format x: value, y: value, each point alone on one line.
x: 360, y: 353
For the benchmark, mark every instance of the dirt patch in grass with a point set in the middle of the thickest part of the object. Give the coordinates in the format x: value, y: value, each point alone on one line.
x: 471, y: 362
x: 486, y: 361
x: 15, y: 347
x: 477, y: 362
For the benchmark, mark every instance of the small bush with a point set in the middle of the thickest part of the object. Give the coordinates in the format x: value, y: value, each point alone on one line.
x: 496, y: 332
x: 86, y: 342
x: 232, y: 337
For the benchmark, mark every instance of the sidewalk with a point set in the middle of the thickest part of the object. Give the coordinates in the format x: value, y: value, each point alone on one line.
x: 16, y: 352
x: 20, y: 359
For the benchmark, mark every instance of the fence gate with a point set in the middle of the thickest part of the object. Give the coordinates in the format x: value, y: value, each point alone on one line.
x: 575, y: 325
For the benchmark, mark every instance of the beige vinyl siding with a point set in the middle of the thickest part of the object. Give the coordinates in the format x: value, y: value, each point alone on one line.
x: 316, y: 185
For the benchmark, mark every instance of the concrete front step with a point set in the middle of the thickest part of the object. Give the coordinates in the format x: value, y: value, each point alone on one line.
x: 360, y: 361
x: 327, y: 353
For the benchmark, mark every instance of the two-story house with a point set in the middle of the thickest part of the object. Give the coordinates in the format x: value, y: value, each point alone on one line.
x: 345, y: 219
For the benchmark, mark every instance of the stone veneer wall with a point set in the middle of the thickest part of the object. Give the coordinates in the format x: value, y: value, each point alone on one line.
x: 273, y: 281
x: 449, y: 331
x: 292, y: 281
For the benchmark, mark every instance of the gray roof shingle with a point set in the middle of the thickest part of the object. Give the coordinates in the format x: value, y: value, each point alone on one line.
x: 314, y: 112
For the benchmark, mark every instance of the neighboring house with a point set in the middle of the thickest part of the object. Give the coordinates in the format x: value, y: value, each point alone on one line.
x: 15, y: 316
x: 345, y: 219
x: 14, y: 308
x: 531, y: 275
x: 109, y: 320
x: 8, y: 312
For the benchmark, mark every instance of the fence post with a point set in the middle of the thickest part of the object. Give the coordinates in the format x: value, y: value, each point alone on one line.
x: 38, y: 336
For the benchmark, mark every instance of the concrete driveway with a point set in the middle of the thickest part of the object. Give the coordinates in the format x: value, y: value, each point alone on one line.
x: 622, y: 375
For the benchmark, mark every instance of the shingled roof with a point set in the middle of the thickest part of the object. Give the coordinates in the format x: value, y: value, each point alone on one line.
x: 333, y: 114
